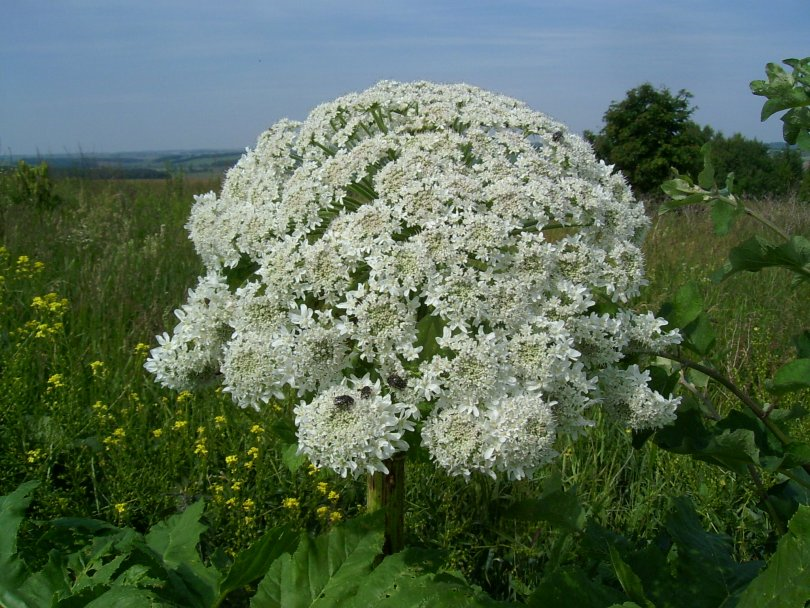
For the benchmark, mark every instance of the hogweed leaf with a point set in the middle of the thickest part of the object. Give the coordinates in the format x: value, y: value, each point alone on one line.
x: 325, y: 570
x: 569, y: 586
x: 12, y: 569
x: 785, y: 582
x: 175, y: 539
x: 686, y: 306
x: 793, y: 376
x: 175, y: 543
x: 628, y: 579
x: 410, y: 578
x: 253, y: 563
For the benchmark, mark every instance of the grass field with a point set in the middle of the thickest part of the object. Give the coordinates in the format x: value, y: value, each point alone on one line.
x: 86, y: 285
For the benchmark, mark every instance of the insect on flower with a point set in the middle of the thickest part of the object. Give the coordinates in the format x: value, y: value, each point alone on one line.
x: 366, y: 392
x: 344, y: 402
x: 395, y: 381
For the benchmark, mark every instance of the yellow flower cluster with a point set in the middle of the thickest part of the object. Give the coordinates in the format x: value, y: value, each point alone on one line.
x: 55, y: 382
x: 34, y: 456
x: 115, y: 438
x: 49, y: 310
x: 25, y: 268
x: 97, y: 369
x: 50, y: 303
x: 200, y: 448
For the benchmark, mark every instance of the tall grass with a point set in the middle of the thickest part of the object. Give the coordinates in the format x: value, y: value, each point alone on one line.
x: 78, y: 411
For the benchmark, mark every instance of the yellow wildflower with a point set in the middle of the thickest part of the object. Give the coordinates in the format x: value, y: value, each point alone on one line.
x: 121, y: 508
x: 323, y: 487
x: 248, y: 504
x: 54, y: 382
x: 335, y: 517
x: 141, y: 349
x: 231, y: 502
x: 179, y: 425
x: 257, y: 429
x: 253, y: 453
x: 290, y: 503
x: 97, y: 368
x: 200, y: 448
x: 119, y: 433
x: 183, y: 396
x: 236, y: 486
x: 34, y: 455
x: 157, y: 433
x: 333, y: 496
x: 219, y: 420
x: 231, y: 460
x: 322, y: 512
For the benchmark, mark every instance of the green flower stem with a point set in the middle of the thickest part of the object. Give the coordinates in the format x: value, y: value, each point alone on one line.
x: 758, y: 411
x: 766, y: 499
x: 388, y: 492
x: 766, y: 222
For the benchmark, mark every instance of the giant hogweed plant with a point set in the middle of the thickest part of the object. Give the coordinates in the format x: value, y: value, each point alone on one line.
x: 422, y: 266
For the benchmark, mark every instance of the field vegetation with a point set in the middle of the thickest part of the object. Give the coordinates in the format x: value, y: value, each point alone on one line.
x: 88, y: 282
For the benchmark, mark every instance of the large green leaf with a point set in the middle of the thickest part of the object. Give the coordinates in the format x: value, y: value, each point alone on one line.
x: 175, y: 542
x: 756, y: 254
x: 323, y: 571
x: 175, y: 539
x: 253, y: 563
x: 699, y: 571
x: 410, y: 578
x: 345, y: 568
x: 685, y: 307
x: 785, y: 583
x: 13, y: 571
x: 793, y: 376
x: 726, y: 445
x: 569, y: 586
x: 628, y: 579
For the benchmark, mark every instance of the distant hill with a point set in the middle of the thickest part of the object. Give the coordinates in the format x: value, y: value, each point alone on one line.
x: 133, y: 165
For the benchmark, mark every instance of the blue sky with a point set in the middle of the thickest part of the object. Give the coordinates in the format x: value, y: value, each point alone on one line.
x: 109, y: 76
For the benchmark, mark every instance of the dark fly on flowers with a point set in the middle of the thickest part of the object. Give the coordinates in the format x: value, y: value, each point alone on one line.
x: 344, y: 402
x: 395, y: 381
x: 366, y: 392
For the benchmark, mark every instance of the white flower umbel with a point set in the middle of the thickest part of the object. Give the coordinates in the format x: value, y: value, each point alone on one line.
x: 351, y: 430
x: 422, y: 246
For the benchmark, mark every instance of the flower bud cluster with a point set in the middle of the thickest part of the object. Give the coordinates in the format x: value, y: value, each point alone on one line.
x: 422, y: 258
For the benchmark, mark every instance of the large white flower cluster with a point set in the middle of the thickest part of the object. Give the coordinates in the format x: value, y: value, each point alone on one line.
x: 422, y: 258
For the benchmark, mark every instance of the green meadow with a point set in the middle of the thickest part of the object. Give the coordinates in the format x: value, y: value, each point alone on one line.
x: 87, y: 283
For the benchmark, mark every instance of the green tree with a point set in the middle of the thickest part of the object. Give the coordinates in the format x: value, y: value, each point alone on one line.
x: 647, y: 133
x: 757, y: 171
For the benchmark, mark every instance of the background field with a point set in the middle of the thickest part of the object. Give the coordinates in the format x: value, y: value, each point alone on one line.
x: 78, y: 411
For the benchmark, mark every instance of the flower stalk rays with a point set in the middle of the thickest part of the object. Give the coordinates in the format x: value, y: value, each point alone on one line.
x: 422, y: 262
